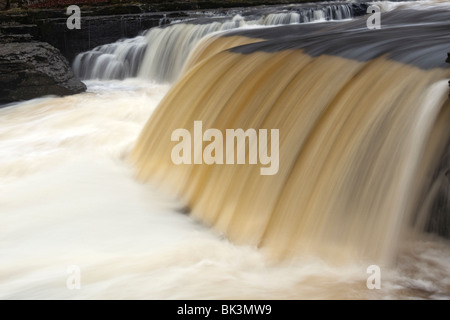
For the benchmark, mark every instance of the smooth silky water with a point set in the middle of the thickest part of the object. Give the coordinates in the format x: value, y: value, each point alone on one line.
x: 87, y: 180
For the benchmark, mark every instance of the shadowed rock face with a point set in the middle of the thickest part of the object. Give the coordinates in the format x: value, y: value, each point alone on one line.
x: 439, y: 221
x: 34, y: 69
x: 103, y: 23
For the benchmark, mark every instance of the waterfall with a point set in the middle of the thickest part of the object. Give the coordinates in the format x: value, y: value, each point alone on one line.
x: 354, y: 124
x: 169, y: 47
x: 357, y: 121
x: 162, y: 52
x: 117, y: 60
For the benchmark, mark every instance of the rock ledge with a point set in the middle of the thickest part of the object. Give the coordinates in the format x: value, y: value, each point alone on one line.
x: 34, y: 69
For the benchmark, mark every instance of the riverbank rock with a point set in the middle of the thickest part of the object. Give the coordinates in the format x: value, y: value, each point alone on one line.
x: 34, y: 69
x: 3, y: 5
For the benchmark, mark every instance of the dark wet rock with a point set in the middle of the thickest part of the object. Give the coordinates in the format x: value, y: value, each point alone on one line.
x: 50, y: 26
x: 106, y: 21
x: 19, y: 29
x: 34, y: 69
x: 439, y: 220
x: 10, y: 38
x: 359, y: 9
x: 184, y: 210
x: 448, y: 61
x: 95, y: 31
x: 3, y: 4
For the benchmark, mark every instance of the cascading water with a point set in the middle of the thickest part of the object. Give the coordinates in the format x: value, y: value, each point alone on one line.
x: 118, y: 60
x: 351, y: 136
x: 363, y: 169
x: 167, y: 48
x: 162, y: 63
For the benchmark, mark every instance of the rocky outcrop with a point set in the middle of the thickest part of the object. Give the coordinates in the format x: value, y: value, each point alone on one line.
x: 34, y: 69
x: 107, y: 21
x: 3, y: 4
x: 439, y: 219
x: 50, y: 26
x: 141, y: 6
x: 96, y: 31
x: 448, y: 61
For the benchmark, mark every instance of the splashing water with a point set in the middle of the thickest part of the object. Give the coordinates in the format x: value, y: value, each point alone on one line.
x: 69, y: 196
